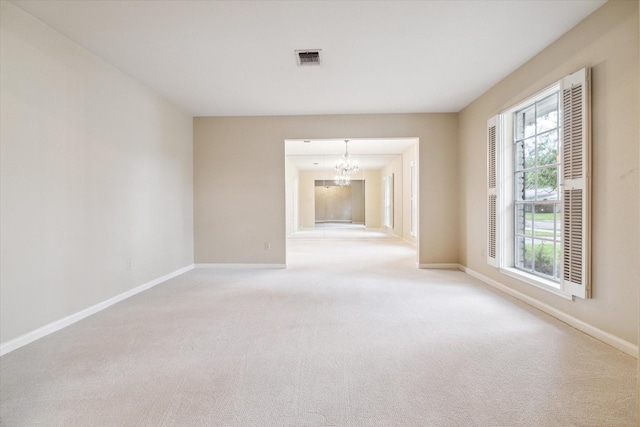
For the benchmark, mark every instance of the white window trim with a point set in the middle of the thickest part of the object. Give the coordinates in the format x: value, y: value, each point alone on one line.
x: 537, y: 281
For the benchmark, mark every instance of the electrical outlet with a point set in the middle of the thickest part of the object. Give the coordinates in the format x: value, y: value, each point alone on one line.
x: 482, y: 253
x: 129, y: 264
x: 267, y: 246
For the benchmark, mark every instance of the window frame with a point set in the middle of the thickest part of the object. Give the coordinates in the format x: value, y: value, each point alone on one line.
x: 522, y: 169
x: 506, y: 192
x: 574, y: 173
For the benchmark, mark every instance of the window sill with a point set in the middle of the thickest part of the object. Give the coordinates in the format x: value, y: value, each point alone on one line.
x: 538, y: 282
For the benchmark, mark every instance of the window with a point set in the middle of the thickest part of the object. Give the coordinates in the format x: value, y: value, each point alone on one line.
x: 538, y: 188
x: 537, y: 220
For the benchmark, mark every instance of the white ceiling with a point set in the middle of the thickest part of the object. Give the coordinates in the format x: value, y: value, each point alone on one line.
x: 236, y: 58
x: 322, y: 154
x: 225, y: 58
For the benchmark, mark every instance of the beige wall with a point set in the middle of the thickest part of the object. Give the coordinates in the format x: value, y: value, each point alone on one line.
x: 96, y: 172
x: 607, y: 41
x: 394, y: 169
x: 408, y: 157
x: 234, y: 217
x: 357, y: 201
x: 333, y: 203
x: 372, y: 201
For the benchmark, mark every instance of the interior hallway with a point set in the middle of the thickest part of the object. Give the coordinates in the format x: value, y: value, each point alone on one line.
x: 350, y: 334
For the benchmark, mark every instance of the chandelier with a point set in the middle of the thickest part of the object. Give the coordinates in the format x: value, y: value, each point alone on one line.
x: 345, y: 167
x: 343, y: 180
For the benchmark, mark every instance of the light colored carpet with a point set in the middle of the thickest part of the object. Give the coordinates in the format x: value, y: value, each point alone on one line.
x: 335, y: 231
x: 351, y: 334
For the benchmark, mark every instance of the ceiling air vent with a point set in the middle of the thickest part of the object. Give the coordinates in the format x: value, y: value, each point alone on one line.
x: 308, y: 57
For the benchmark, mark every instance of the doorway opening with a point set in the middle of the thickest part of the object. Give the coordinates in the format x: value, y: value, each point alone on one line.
x: 380, y: 201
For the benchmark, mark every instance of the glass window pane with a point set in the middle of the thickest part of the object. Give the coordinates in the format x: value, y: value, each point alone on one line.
x: 544, y: 257
x: 529, y: 188
x: 547, y: 146
x: 528, y: 219
x: 543, y: 221
x: 525, y: 122
x: 523, y: 253
x: 547, y: 184
x: 525, y: 186
x: 529, y: 153
x: 524, y: 218
x: 558, y: 260
x: 558, y: 222
x: 547, y: 113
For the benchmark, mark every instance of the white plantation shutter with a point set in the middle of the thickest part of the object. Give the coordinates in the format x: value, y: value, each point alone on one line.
x: 492, y: 192
x: 576, y: 184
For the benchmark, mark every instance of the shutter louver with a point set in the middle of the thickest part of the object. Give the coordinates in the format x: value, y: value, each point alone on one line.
x: 492, y: 196
x: 491, y: 250
x: 492, y: 156
x: 572, y: 225
x: 572, y: 133
x: 576, y: 177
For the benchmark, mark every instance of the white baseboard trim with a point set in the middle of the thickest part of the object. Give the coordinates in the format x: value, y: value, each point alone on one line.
x: 605, y: 337
x: 227, y: 266
x: 52, y: 327
x: 443, y: 266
